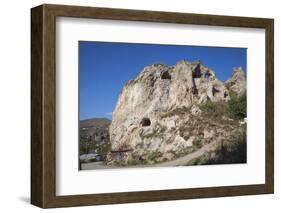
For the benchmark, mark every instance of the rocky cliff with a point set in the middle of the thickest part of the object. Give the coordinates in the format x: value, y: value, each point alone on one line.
x: 164, y: 112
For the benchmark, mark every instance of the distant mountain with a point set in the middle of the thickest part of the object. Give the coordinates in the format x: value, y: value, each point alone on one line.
x: 94, y: 122
x: 94, y: 136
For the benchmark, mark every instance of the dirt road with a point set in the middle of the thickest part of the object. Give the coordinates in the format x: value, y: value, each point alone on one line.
x: 182, y: 161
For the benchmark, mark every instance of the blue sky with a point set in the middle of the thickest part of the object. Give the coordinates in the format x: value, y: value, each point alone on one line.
x: 105, y: 67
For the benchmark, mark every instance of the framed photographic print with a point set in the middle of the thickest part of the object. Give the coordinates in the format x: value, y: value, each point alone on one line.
x: 136, y: 106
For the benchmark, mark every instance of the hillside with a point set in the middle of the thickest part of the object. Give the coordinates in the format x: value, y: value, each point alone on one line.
x: 94, y: 122
x: 94, y: 136
x: 167, y: 112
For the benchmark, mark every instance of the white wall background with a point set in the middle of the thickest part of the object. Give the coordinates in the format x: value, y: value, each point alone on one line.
x: 15, y: 105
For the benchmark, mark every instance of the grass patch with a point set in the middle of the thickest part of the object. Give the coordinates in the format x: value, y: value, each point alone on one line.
x: 214, y: 110
x: 177, y: 111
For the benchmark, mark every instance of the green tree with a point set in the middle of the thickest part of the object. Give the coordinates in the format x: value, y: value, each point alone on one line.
x: 237, y: 106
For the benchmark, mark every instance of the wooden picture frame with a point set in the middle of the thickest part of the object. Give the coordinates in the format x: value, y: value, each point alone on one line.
x: 43, y: 105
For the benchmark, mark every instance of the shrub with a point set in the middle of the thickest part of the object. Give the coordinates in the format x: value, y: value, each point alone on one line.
x: 197, y: 61
x: 132, y: 161
x: 86, y: 147
x: 104, y: 148
x: 233, y: 150
x: 152, y: 156
x: 214, y: 109
x: 197, y: 144
x: 237, y: 106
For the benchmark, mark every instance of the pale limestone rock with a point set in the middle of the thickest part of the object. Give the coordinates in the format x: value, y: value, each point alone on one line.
x: 189, y: 142
x: 181, y: 141
x: 195, y: 110
x: 169, y: 122
x: 153, y: 108
x: 168, y: 156
x: 237, y: 83
x: 208, y: 133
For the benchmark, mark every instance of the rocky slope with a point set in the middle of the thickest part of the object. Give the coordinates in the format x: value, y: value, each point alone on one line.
x: 94, y: 136
x: 165, y: 113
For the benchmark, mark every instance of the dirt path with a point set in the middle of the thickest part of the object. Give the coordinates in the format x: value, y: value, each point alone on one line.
x: 182, y: 161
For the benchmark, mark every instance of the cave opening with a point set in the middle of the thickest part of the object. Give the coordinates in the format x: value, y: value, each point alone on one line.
x: 145, y: 122
x: 166, y: 75
x: 225, y: 94
x: 215, y: 91
x: 196, y: 73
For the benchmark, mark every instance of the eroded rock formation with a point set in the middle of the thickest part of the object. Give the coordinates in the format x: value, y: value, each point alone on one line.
x: 237, y: 82
x: 159, y: 111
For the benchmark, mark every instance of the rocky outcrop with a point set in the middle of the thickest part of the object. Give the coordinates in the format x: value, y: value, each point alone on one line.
x: 237, y: 83
x: 159, y: 111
